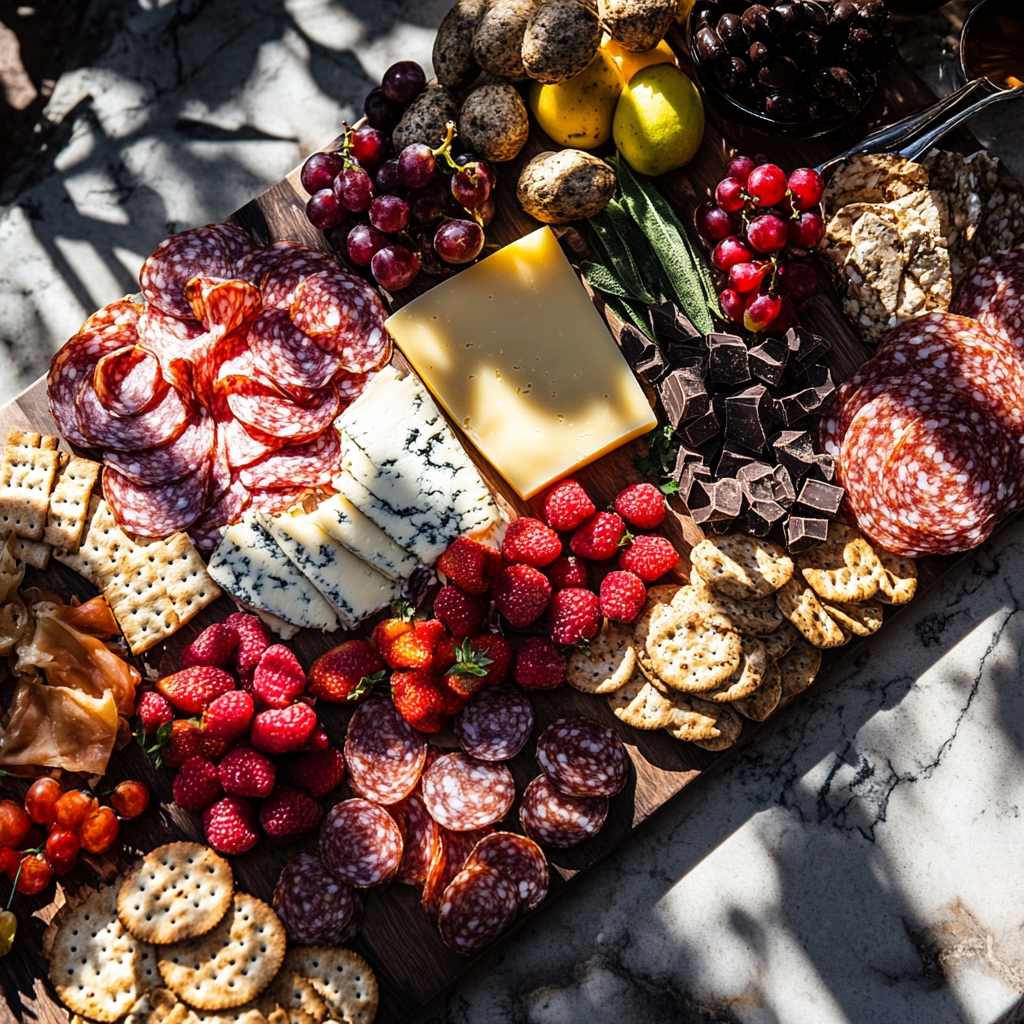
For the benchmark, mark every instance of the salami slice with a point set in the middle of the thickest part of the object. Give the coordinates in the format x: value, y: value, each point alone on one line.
x: 453, y: 850
x: 462, y: 793
x: 267, y: 412
x: 351, y: 385
x: 290, y: 268
x: 355, y: 925
x: 170, y: 337
x: 164, y: 422
x: 128, y: 381
x: 237, y: 244
x: 223, y: 306
x: 205, y: 531
x: 384, y: 754
x: 254, y: 266
x: 113, y: 317
x: 360, y: 844
x: 521, y: 859
x: 287, y: 355
x: 240, y: 447
x: 272, y: 501
x: 495, y: 725
x: 476, y: 909
x: 344, y: 315
x: 156, y: 511
x: 315, y: 463
x: 171, y: 461
x: 315, y: 908
x: 554, y: 819
x: 583, y: 758
x: 993, y: 293
x: 422, y: 839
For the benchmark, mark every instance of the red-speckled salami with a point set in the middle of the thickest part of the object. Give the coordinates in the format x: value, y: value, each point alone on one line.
x: 993, y: 293
x: 496, y: 724
x: 237, y: 244
x: 171, y: 461
x: 476, y: 909
x: 462, y: 793
x: 314, y: 463
x: 128, y: 381
x: 266, y: 412
x: 344, y: 315
x: 156, y: 511
x: 170, y: 337
x: 164, y: 422
x: 583, y: 758
x: 315, y: 908
x: 223, y: 306
x: 554, y: 819
x: 205, y: 531
x: 351, y: 385
x: 450, y: 858
x: 520, y: 858
x: 272, y: 501
x: 384, y: 754
x: 287, y: 355
x: 290, y: 268
x: 113, y: 317
x: 240, y: 446
x: 254, y: 266
x: 360, y: 844
x: 422, y: 838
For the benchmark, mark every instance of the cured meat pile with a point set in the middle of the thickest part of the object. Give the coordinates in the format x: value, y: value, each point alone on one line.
x: 927, y: 435
x: 217, y: 394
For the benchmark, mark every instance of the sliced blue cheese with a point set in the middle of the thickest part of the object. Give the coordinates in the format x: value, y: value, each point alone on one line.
x: 249, y: 564
x: 354, y: 589
x: 347, y: 525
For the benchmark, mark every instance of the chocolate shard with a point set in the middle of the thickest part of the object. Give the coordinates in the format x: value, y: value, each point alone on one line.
x: 636, y: 346
x: 728, y: 361
x: 819, y: 377
x: 683, y: 395
x: 685, y: 456
x: 761, y: 516
x: 727, y: 500
x: 768, y: 361
x: 805, y: 346
x: 794, y: 450
x: 748, y: 417
x: 793, y: 408
x: 691, y: 474
x: 720, y: 527
x: 669, y: 323
x: 700, y: 501
x: 824, y: 467
x: 686, y: 357
x: 758, y: 482
x: 732, y: 460
x: 653, y: 366
x: 804, y: 532
x: 697, y: 432
x: 785, y: 492
x: 820, y: 499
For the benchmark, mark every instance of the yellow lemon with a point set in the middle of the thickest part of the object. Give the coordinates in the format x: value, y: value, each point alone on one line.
x: 659, y: 120
x: 578, y: 112
x: 630, y: 63
x: 683, y: 10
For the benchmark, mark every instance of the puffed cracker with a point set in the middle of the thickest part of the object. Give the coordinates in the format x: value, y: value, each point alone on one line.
x: 741, y: 567
x: 922, y: 221
x: 606, y: 663
x: 747, y: 677
x: 296, y: 996
x: 861, y: 619
x: 798, y: 669
x: 844, y: 568
x: 872, y: 178
x: 727, y: 721
x: 692, y: 660
x: 778, y: 643
x: 765, y: 699
x: 800, y: 605
x: 703, y: 606
x: 342, y: 977
x: 898, y: 582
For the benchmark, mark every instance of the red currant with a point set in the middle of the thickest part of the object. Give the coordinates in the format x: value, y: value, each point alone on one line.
x: 746, y: 277
x: 41, y: 800
x: 761, y: 312
x: 36, y: 874
x: 732, y: 305
x: 62, y: 847
x: 98, y: 832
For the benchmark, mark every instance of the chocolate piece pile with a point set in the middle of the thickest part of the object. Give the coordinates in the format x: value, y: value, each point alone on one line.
x: 746, y: 420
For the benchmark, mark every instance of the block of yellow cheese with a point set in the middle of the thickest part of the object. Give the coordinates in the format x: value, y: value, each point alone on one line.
x: 515, y: 351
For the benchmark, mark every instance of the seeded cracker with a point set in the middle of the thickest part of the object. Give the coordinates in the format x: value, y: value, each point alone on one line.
x: 765, y: 699
x: 898, y: 582
x: 844, y: 568
x: 607, y: 664
x: 692, y: 660
x: 801, y: 606
x: 69, y: 504
x: 703, y: 606
x: 741, y: 567
x: 342, y: 977
x: 747, y: 678
x: 26, y: 479
x: 872, y: 178
x: 778, y: 643
x: 860, y: 619
x: 657, y: 598
x: 642, y: 706
x: 798, y: 669
x: 728, y: 724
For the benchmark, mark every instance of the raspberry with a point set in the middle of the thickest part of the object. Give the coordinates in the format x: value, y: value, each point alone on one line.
x: 319, y: 772
x: 347, y: 672
x: 567, y: 572
x: 289, y: 813
x: 470, y: 565
x: 574, y: 615
x: 539, y: 665
x: 567, y: 505
x: 252, y: 642
x: 214, y: 646
x: 196, y: 785
x: 459, y: 611
x: 641, y: 505
x: 622, y: 596
x: 278, y: 730
x: 598, y: 538
x: 153, y: 710
x: 229, y: 715
x: 279, y: 677
x: 531, y: 542
x: 230, y: 825
x: 191, y: 689
x: 521, y: 594
x: 649, y: 556
x: 246, y: 772
x: 317, y: 740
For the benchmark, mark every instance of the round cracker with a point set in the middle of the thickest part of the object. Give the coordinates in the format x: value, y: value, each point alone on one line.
x: 342, y: 977
x: 704, y: 606
x: 296, y: 996
x: 740, y: 566
x: 657, y: 598
x: 727, y: 721
x: 779, y: 643
x: 640, y: 705
x: 798, y: 669
x: 606, y: 663
x: 179, y: 891
x: 692, y: 660
x: 844, y: 568
x: 765, y: 699
x: 230, y: 964
x: 748, y: 677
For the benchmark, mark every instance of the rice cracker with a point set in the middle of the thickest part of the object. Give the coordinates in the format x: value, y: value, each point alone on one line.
x: 343, y: 978
x: 741, y: 567
x: 860, y: 619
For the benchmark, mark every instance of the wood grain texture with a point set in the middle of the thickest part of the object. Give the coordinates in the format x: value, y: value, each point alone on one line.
x: 403, y: 947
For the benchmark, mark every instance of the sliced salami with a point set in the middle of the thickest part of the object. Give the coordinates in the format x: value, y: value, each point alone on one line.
x: 384, y: 754
x: 113, y: 317
x: 223, y: 306
x: 254, y: 266
x: 520, y: 858
x: 452, y: 853
x: 272, y: 501
x: 993, y: 293
x: 205, y: 531
x: 315, y: 908
x: 172, y: 461
x: 315, y: 463
x: 462, y: 793
x: 290, y: 268
x: 240, y: 446
x: 156, y: 511
x: 237, y: 244
x: 287, y: 355
x: 554, y: 819
x: 164, y: 422
x: 128, y: 381
x: 360, y: 844
x: 476, y: 909
x: 351, y: 385
x: 170, y: 337
x: 422, y: 839
x: 583, y: 758
x: 496, y: 724
x: 266, y: 412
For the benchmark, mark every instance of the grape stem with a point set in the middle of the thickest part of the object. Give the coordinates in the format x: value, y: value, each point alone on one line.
x: 444, y: 150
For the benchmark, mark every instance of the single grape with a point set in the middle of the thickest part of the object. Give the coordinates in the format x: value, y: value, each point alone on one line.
x: 729, y: 251
x: 394, y: 267
x: 14, y: 823
x: 430, y: 263
x: 41, y: 800
x: 427, y: 204
x: 323, y: 210
x: 9, y: 859
x: 472, y: 184
x: 389, y: 213
x: 98, y: 832
x: 403, y: 82
x: 767, y: 233
x: 807, y: 230
x: 740, y: 168
x: 729, y: 195
x: 381, y: 113
x: 712, y: 222
x: 364, y: 242
x: 62, y: 847
x: 767, y: 184
x: 369, y: 146
x: 761, y: 311
x: 130, y: 798
x: 798, y: 280
x: 320, y: 170
x: 807, y: 186
x: 787, y: 316
x: 36, y: 874
x: 732, y: 305
x: 353, y: 188
x: 416, y: 165
x: 337, y: 237
x: 8, y: 929
x: 459, y: 241
x: 486, y: 211
x: 747, y: 277
x: 387, y: 181
x: 74, y: 807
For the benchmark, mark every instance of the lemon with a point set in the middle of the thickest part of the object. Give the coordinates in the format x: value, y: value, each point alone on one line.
x: 659, y: 120
x: 629, y: 63
x: 683, y: 10
x: 578, y: 112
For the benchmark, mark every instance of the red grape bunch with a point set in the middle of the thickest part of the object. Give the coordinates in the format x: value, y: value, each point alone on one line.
x: 397, y: 214
x: 762, y: 226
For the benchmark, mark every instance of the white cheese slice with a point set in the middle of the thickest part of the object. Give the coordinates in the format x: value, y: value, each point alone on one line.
x: 249, y: 564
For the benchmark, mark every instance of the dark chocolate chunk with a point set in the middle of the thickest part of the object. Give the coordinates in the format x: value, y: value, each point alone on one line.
x: 746, y: 417
x: 805, y: 346
x: 702, y: 429
x: 700, y: 500
x: 684, y: 456
x: 683, y: 396
x: 682, y: 356
x: 669, y: 323
x: 728, y: 363
x: 785, y: 492
x: 636, y: 346
x: 793, y: 408
x: 720, y: 527
x: 819, y: 377
x: 732, y: 460
x: 768, y: 361
x: 653, y: 366
x: 728, y: 500
x: 824, y: 467
x: 819, y: 498
x: 803, y: 533
x: 693, y: 472
x: 758, y: 482
x: 761, y: 516
x: 793, y: 449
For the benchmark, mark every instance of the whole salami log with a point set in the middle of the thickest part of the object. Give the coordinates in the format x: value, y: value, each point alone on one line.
x: 462, y: 793
x: 128, y: 381
x: 554, y: 819
x: 496, y: 724
x: 315, y: 908
x: 422, y: 839
x: 583, y: 758
x: 520, y: 858
x: 476, y: 909
x: 156, y: 511
x: 360, y: 844
x: 172, y: 461
x: 384, y: 754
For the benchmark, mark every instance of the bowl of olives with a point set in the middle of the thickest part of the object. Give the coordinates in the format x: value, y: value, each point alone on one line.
x: 798, y: 68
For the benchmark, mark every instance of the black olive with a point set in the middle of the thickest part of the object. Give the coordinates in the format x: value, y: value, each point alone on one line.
x: 858, y: 46
x: 761, y: 23
x: 814, y: 15
x: 778, y: 73
x: 836, y: 84
x: 731, y: 73
x: 758, y: 54
x: 730, y: 31
x: 874, y: 11
x: 843, y: 13
x: 785, y: 106
x: 709, y: 46
x: 791, y: 15
x: 806, y: 44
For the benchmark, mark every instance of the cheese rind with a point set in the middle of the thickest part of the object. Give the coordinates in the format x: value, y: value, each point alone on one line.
x: 515, y: 351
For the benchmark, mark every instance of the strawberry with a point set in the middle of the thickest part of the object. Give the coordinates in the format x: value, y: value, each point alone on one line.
x: 196, y: 785
x: 279, y: 679
x: 278, y: 730
x: 252, y: 642
x: 470, y: 565
x: 289, y: 813
x: 539, y: 665
x: 598, y: 538
x: 214, y: 646
x: 453, y: 702
x: 649, y: 556
x: 191, y: 689
x: 246, y: 772
x: 531, y: 542
x: 229, y: 715
x: 460, y: 612
x: 622, y: 596
x: 415, y: 649
x: 521, y: 594
x: 182, y: 743
x: 567, y: 572
x: 574, y: 615
x: 230, y: 825
x: 482, y: 660
x: 387, y: 632
x: 347, y: 672
x: 641, y: 505
x: 419, y: 698
x: 153, y: 711
x: 567, y: 504
x: 319, y: 772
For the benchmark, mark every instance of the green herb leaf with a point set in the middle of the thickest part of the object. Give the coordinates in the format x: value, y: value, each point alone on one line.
x: 628, y: 313
x: 640, y: 249
x: 660, y: 459
x: 598, y: 276
x: 622, y: 264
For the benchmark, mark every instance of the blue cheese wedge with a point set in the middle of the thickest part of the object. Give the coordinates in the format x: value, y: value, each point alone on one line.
x: 354, y: 589
x: 347, y: 525
x: 250, y: 565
